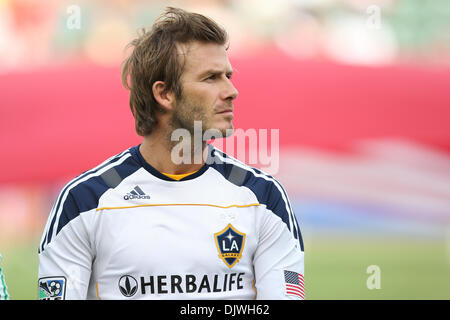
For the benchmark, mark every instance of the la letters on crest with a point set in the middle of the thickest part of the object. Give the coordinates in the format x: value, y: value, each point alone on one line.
x: 230, y: 244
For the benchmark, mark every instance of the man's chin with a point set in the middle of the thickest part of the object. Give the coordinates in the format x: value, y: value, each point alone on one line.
x: 228, y: 132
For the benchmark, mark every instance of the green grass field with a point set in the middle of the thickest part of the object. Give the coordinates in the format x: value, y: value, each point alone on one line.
x: 335, y: 268
x: 410, y: 269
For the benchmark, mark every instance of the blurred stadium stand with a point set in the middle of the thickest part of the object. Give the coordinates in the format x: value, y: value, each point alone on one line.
x: 38, y: 33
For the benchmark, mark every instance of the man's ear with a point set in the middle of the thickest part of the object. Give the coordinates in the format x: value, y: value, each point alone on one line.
x: 164, y: 97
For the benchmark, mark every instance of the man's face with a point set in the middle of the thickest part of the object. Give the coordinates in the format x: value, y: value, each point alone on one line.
x: 207, y: 92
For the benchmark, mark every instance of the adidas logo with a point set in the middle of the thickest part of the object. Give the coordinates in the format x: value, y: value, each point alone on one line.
x: 136, y: 193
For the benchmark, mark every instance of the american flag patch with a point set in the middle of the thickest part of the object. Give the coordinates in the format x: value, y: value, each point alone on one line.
x: 295, y: 284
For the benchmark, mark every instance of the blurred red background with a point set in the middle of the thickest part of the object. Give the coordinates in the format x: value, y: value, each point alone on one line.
x: 60, y: 121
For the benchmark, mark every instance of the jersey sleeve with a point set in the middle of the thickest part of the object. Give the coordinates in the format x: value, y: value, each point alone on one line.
x: 65, y: 255
x: 279, y: 257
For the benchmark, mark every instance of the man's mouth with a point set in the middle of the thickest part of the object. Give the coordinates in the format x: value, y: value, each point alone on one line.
x: 226, y: 111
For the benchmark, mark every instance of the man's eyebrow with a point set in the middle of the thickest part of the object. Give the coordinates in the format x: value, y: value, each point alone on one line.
x: 216, y: 72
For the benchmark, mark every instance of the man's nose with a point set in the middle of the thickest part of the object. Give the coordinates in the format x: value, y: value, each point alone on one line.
x: 230, y: 92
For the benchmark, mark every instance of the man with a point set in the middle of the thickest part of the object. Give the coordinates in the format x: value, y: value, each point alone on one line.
x: 143, y: 225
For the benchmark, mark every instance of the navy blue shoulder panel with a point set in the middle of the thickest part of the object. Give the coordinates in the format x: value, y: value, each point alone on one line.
x: 85, y: 196
x: 77, y: 197
x: 267, y: 189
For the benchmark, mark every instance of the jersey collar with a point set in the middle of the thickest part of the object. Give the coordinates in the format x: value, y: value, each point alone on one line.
x: 137, y: 154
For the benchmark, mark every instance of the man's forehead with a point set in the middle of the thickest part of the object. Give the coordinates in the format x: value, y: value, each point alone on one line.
x: 199, y: 56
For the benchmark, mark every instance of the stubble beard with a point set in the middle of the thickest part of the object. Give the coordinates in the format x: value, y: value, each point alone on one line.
x: 186, y: 112
x: 183, y: 117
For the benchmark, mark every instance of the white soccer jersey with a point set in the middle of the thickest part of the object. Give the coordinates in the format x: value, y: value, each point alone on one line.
x: 123, y: 230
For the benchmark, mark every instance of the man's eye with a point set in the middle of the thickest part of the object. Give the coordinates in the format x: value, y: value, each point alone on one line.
x: 211, y: 77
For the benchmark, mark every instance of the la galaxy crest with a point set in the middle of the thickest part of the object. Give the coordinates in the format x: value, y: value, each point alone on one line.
x: 230, y: 244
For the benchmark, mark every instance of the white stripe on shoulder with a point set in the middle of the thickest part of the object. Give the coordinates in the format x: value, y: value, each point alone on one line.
x: 122, y: 157
x: 94, y: 174
x: 52, y: 212
x: 265, y: 176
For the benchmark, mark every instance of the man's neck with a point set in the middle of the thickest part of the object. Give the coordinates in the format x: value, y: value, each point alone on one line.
x: 162, y: 154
